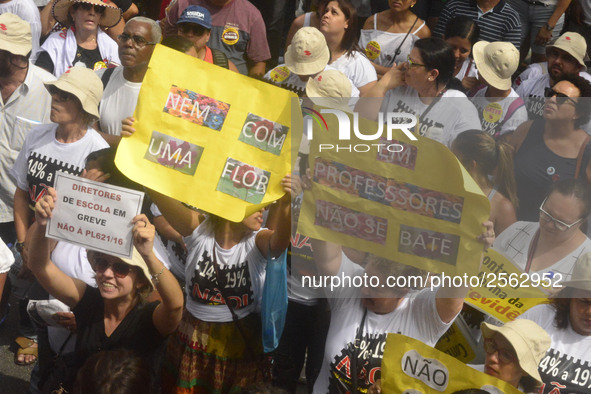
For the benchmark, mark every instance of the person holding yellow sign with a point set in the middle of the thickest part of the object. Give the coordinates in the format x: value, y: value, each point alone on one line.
x: 217, y: 347
x: 362, y: 316
x: 513, y: 352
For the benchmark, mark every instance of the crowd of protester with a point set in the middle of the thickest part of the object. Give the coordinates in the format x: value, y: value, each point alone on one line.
x: 502, y: 84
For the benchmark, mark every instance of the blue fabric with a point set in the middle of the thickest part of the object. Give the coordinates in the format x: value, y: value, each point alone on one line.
x: 274, y: 304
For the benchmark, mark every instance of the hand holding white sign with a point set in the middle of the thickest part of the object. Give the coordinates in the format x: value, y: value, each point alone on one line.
x: 92, y: 214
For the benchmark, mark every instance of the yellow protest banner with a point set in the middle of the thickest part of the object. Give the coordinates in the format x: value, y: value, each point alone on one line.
x: 209, y: 137
x: 408, y: 201
x: 504, y: 291
x: 457, y: 343
x: 410, y: 366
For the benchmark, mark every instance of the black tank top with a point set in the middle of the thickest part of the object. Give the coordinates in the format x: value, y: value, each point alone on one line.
x: 536, y: 168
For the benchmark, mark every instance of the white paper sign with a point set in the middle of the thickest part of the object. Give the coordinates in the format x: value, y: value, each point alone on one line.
x: 94, y: 215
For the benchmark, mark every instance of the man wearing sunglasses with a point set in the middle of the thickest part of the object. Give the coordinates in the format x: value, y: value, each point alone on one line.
x: 24, y: 104
x: 122, y: 84
x: 566, y: 57
x: 195, y: 25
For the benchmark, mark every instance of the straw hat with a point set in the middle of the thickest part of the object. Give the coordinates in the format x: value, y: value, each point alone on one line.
x: 330, y: 88
x: 529, y: 340
x: 137, y: 261
x: 581, y: 271
x: 61, y: 9
x: 16, y: 36
x: 496, y: 62
x: 82, y: 83
x: 308, y: 53
x: 574, y: 44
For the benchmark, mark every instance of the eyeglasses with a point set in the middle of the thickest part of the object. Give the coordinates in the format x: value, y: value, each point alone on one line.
x: 561, y: 98
x: 191, y: 28
x: 120, y: 270
x: 138, y: 41
x: 558, y: 224
x: 60, y: 94
x: 412, y: 63
x: 506, y: 356
x: 99, y: 9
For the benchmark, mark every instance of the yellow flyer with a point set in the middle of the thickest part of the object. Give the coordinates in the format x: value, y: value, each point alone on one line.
x: 209, y: 137
x: 457, y: 343
x: 410, y: 366
x: 504, y: 291
x: 407, y: 200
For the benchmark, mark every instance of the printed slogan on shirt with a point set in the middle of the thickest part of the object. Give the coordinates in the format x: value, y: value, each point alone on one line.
x: 206, y: 143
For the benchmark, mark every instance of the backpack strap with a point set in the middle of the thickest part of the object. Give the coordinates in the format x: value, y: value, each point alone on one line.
x: 220, y: 58
x: 517, y: 103
x: 580, y: 155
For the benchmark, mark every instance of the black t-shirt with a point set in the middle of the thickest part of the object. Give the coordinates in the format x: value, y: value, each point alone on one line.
x: 87, y: 56
x: 136, y: 332
x: 123, y: 4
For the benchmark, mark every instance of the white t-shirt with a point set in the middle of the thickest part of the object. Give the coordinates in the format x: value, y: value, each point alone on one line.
x: 6, y: 258
x: 42, y: 155
x: 492, y: 113
x: 535, y: 70
x: 71, y: 260
x: 242, y: 268
x: 566, y: 368
x: 357, y: 68
x: 170, y: 253
x: 515, y: 241
x: 415, y: 317
x: 468, y: 70
x: 447, y: 118
x: 118, y: 102
x: 27, y: 11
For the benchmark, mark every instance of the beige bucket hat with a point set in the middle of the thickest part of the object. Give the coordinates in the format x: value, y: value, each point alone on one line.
x: 582, y: 273
x: 61, y: 8
x: 16, y: 36
x: 308, y: 53
x: 496, y: 62
x: 529, y: 340
x: 330, y: 88
x: 82, y: 83
x: 136, y: 260
x: 574, y: 44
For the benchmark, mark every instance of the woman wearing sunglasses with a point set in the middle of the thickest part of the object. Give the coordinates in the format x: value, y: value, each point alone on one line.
x: 513, y: 352
x: 83, y: 43
x: 418, y: 87
x: 551, y: 245
x: 114, y: 315
x: 553, y: 148
x: 59, y: 146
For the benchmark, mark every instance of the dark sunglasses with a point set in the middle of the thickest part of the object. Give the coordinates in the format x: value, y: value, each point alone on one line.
x: 61, y: 95
x: 99, y: 9
x: 505, y: 355
x: 196, y: 30
x: 120, y: 270
x: 561, y: 98
x: 138, y: 41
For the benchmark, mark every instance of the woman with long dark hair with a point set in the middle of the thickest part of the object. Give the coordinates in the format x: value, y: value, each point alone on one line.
x: 339, y: 26
x: 423, y: 87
